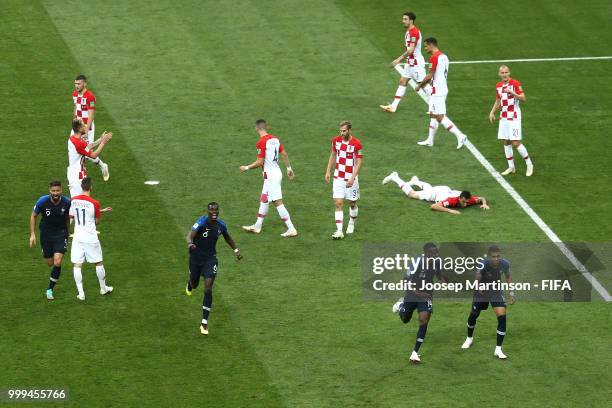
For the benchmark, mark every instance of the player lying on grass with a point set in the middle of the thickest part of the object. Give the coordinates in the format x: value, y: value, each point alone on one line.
x: 445, y: 199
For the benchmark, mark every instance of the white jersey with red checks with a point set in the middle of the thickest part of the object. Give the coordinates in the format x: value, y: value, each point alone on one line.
x: 509, y: 105
x: 269, y: 148
x: 413, y: 36
x: 83, y: 104
x: 347, y: 152
x: 84, y: 210
x: 77, y: 151
x: 438, y: 65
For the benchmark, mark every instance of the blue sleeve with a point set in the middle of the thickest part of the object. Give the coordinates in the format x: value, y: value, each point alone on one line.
x: 485, y: 265
x: 223, y: 227
x: 505, y: 267
x: 198, y: 223
x: 38, y: 206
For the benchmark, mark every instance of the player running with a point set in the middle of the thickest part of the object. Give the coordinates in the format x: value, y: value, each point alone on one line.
x: 493, y: 267
x: 509, y: 94
x: 85, y: 109
x: 202, y: 245
x: 421, y: 298
x: 438, y: 76
x: 78, y: 150
x: 445, y: 199
x: 268, y: 150
x: 414, y: 69
x: 53, y: 226
x: 346, y: 152
x: 86, y: 212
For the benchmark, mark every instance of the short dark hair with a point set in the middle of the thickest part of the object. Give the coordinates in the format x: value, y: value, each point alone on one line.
x: 261, y: 123
x: 86, y: 184
x: 346, y: 123
x: 80, y: 77
x: 493, y: 249
x: 76, y: 124
x: 465, y: 194
x: 429, y: 246
x: 55, y: 183
x: 212, y: 204
x: 410, y: 15
x: 432, y: 41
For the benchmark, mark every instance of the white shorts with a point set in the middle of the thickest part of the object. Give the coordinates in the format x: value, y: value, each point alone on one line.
x: 82, y: 251
x: 509, y: 130
x: 417, y: 73
x: 437, y: 104
x: 437, y: 193
x: 74, y: 184
x: 90, y: 134
x: 340, y: 190
x: 272, y: 190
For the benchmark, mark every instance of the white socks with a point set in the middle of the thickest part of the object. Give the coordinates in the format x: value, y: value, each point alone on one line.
x: 433, y: 128
x: 509, y: 155
x: 401, y: 90
x: 263, y: 211
x: 450, y: 126
x: 339, y: 215
x: 353, y: 214
x: 101, y: 276
x: 284, y: 214
x: 523, y: 152
x: 78, y: 279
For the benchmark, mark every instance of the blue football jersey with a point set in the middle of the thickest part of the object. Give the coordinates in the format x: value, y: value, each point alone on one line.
x: 207, y: 234
x: 54, y: 216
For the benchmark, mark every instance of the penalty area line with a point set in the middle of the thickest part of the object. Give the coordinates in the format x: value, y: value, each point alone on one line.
x: 532, y: 214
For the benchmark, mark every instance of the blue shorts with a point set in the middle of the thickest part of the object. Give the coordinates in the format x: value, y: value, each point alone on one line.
x: 481, y: 301
x: 202, y: 267
x: 53, y: 244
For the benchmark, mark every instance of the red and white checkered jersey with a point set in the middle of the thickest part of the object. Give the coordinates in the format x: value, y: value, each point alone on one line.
x: 509, y: 105
x: 269, y: 148
x: 83, y: 104
x: 438, y: 65
x: 84, y: 210
x: 77, y: 151
x: 347, y: 153
x: 413, y: 36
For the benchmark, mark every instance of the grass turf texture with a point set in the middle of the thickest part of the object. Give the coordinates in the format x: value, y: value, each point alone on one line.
x: 180, y: 84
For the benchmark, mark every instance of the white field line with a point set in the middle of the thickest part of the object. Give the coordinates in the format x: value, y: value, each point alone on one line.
x: 533, y: 60
x: 532, y: 214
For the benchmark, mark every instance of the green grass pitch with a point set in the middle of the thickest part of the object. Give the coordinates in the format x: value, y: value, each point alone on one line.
x: 180, y: 84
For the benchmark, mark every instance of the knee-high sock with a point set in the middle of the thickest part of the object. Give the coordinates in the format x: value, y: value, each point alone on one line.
x: 55, y: 274
x: 420, y: 337
x: 523, y: 152
x: 78, y: 279
x: 339, y: 216
x: 101, y: 276
x: 261, y: 214
x: 471, y: 324
x: 284, y: 215
x: 353, y: 212
x: 450, y: 126
x: 501, y: 329
x: 433, y: 128
x: 401, y: 90
x: 509, y: 155
x: 206, y: 305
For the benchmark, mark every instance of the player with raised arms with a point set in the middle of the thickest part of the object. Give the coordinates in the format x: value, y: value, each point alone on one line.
x: 86, y: 213
x: 85, y: 109
x: 202, y: 245
x: 438, y: 76
x: 445, y: 199
x: 269, y: 148
x: 78, y: 150
x: 347, y: 154
x: 508, y: 96
x: 54, y: 210
x: 492, y: 269
x: 414, y: 69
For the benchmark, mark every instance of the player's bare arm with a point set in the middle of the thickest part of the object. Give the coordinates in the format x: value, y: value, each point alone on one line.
x: 521, y: 97
x: 330, y: 163
x: 190, y: 237
x: 424, y: 82
x: 352, y: 179
x: 509, y: 280
x: 441, y: 208
x: 404, y: 55
x: 106, y: 209
x: 92, y: 113
x: 254, y: 165
x: 232, y: 244
x: 494, y: 109
x: 103, y: 141
x: 106, y: 136
x: 33, y: 229
x: 290, y: 172
x: 483, y: 203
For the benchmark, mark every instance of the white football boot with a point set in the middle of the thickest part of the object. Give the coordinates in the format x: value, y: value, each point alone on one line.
x: 289, y: 233
x: 251, y: 228
x: 390, y: 177
x: 467, y: 343
x: 337, y: 235
x: 509, y: 170
x: 499, y: 353
x: 414, y: 358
